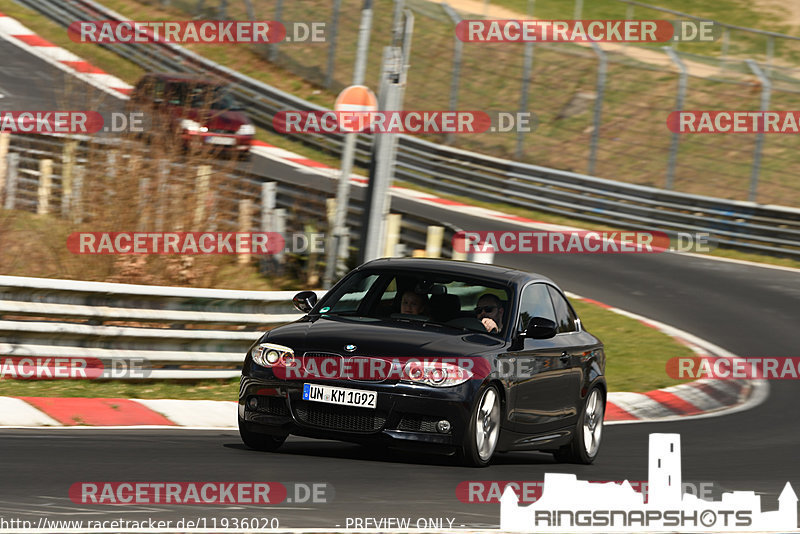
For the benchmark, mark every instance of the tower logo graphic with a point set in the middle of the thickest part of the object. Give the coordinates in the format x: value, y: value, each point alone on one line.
x: 572, y: 505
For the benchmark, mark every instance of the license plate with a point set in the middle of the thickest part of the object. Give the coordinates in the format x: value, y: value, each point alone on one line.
x: 217, y: 140
x: 344, y: 396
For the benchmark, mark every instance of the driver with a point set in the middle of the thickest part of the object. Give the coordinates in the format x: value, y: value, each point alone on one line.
x: 489, y: 312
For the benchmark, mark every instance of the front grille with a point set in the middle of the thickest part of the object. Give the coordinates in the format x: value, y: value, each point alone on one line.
x: 272, y: 406
x: 418, y: 423
x: 339, y: 417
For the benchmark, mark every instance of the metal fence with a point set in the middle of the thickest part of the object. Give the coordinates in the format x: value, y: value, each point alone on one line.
x: 599, y: 110
x: 168, y: 192
x: 740, y: 224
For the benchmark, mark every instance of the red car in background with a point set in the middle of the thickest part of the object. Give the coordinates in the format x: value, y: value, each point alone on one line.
x: 199, y: 112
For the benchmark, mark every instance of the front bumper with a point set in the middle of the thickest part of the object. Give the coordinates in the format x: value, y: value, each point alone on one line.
x: 405, y: 414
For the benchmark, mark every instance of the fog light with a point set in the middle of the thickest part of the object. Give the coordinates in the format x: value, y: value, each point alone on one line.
x: 252, y: 403
x: 443, y: 426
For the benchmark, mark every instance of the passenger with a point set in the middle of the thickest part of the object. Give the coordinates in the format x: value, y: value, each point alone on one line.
x: 414, y: 304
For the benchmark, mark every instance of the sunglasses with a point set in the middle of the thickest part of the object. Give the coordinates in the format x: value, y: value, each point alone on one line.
x: 487, y: 309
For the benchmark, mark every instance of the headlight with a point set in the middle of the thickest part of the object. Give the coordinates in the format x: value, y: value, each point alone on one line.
x: 192, y: 126
x: 268, y: 354
x: 246, y: 129
x: 437, y: 374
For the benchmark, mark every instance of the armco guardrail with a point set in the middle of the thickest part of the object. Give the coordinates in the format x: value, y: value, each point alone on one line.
x: 743, y: 225
x: 169, y: 332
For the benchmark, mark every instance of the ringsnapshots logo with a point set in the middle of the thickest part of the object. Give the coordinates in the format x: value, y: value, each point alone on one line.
x: 571, y: 505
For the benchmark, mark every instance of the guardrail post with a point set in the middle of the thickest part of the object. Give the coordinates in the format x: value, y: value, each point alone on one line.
x: 393, y: 221
x: 726, y: 38
x: 459, y: 247
x: 455, y: 77
x: 76, y: 202
x: 67, y: 165
x: 162, y: 194
x: 433, y: 244
x: 486, y: 255
x: 766, y: 89
x: 202, y: 187
x: 251, y: 14
x: 682, y: 82
x: 144, y: 204
x: 527, y: 67
x: 223, y: 9
x: 268, y: 196
x: 598, y: 105
x: 273, y: 47
x: 245, y: 223
x: 280, y: 227
x: 5, y: 139
x: 578, y: 10
x: 12, y: 175
x: 45, y: 186
x: 332, y: 38
x: 770, y: 48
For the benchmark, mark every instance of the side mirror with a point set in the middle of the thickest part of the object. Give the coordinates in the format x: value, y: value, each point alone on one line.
x: 541, y: 328
x: 304, y: 301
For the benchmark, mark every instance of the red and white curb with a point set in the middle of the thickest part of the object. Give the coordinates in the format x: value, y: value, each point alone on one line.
x: 701, y: 398
x: 14, y: 32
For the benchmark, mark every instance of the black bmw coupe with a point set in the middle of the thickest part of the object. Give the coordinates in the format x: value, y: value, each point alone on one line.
x: 444, y: 356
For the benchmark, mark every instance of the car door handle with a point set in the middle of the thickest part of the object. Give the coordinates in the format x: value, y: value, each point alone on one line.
x: 564, y: 357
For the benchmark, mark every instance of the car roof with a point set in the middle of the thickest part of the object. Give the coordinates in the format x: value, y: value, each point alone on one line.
x: 490, y: 273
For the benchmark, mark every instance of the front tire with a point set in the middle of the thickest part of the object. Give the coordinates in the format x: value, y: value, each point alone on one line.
x: 260, y: 442
x: 585, y: 442
x: 483, y: 430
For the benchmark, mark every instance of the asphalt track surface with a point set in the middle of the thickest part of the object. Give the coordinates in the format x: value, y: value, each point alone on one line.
x: 750, y: 311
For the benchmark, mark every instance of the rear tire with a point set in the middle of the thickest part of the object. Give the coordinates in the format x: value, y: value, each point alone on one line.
x: 483, y: 431
x: 585, y: 442
x: 260, y: 442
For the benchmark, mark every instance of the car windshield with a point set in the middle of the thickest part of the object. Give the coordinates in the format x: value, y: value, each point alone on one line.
x: 202, y: 96
x: 412, y: 297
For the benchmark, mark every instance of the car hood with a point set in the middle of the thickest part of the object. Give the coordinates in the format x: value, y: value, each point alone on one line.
x: 381, y: 338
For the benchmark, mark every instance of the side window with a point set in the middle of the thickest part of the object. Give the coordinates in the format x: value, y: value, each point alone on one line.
x: 535, y: 302
x: 565, y: 318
